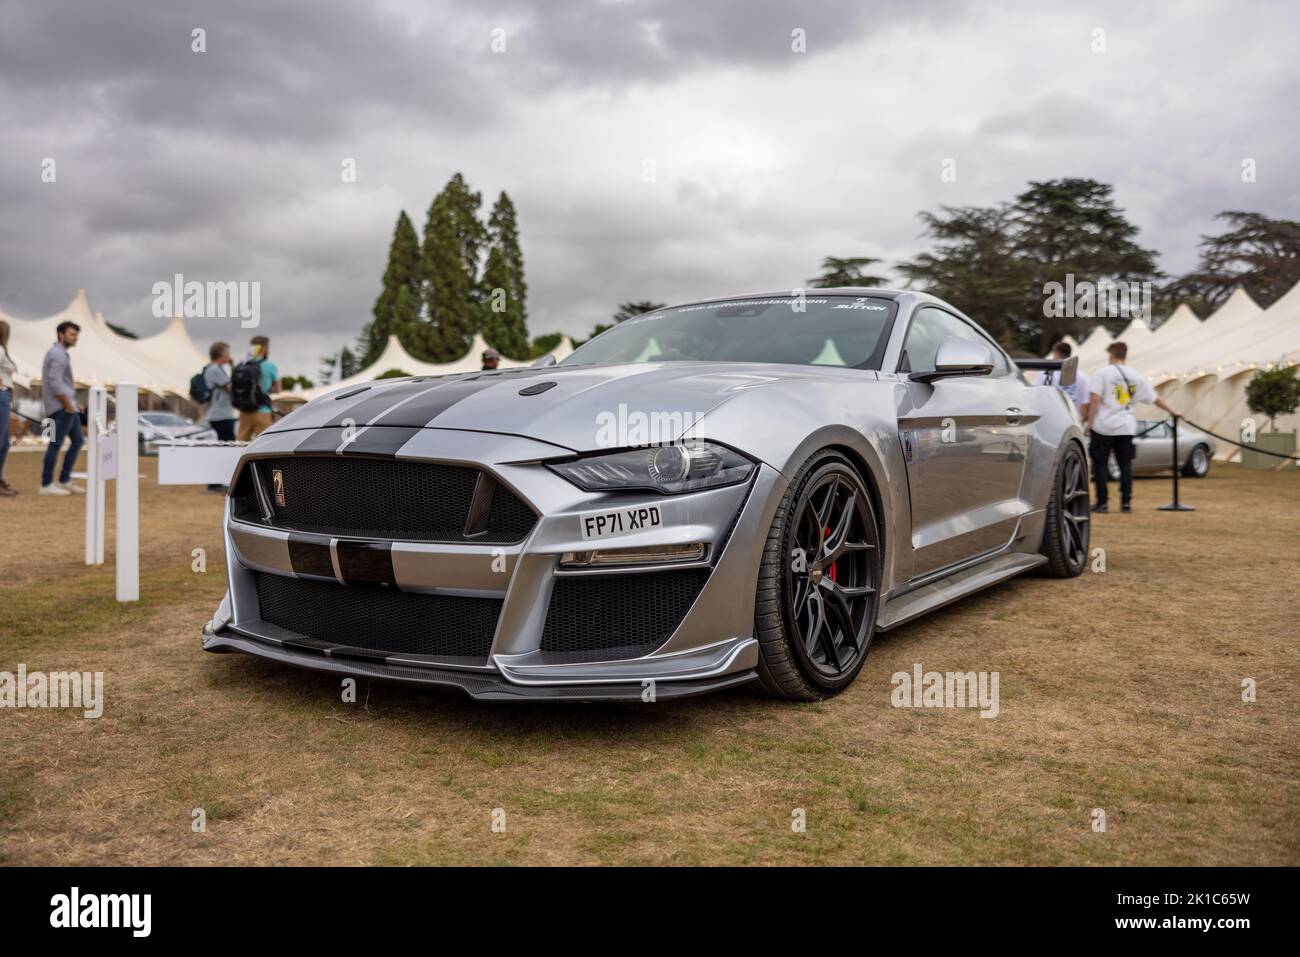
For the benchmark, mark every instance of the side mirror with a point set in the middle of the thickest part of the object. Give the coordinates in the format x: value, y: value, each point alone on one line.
x: 958, y: 357
x: 544, y: 361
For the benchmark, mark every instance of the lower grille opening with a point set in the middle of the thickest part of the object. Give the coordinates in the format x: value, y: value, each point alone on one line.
x: 380, y: 619
x: 602, y: 617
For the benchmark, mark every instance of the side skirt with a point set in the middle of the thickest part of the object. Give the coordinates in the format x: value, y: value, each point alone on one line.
x: 904, y: 608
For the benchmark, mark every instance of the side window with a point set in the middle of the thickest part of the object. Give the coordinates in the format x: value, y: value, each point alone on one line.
x: 929, y: 328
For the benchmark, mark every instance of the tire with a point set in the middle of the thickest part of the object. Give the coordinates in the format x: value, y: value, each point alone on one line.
x: 818, y: 583
x: 1068, y: 529
x: 1198, y: 463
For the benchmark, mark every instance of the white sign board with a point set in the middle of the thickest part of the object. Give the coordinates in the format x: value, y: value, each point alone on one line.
x: 197, y: 464
x: 107, y: 456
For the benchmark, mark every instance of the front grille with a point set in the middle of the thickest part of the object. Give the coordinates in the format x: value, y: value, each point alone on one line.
x: 618, y: 616
x: 379, y: 619
x: 355, y: 496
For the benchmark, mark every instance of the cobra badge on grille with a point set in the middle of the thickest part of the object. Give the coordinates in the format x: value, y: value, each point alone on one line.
x: 277, y: 480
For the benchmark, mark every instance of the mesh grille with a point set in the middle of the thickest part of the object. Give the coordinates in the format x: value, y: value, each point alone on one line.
x: 381, y: 498
x: 379, y: 619
x: 618, y: 616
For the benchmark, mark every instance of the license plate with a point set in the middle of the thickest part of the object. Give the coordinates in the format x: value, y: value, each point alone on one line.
x: 622, y: 521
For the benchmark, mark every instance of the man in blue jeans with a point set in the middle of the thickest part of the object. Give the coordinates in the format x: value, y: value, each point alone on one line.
x: 59, y: 394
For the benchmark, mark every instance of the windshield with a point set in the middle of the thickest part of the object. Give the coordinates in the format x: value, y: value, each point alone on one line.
x: 831, y: 330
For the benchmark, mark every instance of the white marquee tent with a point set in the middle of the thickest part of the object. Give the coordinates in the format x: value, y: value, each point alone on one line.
x: 163, y: 363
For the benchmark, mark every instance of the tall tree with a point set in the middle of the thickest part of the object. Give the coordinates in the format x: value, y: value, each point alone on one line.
x: 449, y: 261
x: 393, y: 313
x: 998, y: 263
x: 973, y: 266
x: 1260, y: 254
x: 1073, y: 227
x: 502, y: 291
x: 847, y: 272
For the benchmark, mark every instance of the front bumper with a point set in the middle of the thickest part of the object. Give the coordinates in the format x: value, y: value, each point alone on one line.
x: 711, y: 647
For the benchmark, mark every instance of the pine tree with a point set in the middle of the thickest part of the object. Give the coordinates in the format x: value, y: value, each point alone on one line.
x: 453, y: 240
x: 402, y: 274
x: 503, y: 292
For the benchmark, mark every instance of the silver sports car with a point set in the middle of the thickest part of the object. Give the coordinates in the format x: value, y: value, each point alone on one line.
x: 737, y: 491
x: 1153, y: 450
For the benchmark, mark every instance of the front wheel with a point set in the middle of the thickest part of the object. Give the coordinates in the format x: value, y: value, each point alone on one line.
x: 1198, y: 463
x: 1069, y: 517
x: 818, y: 583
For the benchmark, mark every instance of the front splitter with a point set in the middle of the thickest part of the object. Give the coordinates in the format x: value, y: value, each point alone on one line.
x: 479, y: 685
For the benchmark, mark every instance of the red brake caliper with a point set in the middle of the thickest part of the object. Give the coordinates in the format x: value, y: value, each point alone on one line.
x: 833, y: 564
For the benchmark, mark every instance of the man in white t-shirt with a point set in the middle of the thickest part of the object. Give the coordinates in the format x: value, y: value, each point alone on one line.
x: 1079, y: 391
x: 1116, y: 390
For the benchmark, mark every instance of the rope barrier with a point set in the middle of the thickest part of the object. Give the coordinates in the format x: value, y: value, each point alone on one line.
x: 1241, y: 445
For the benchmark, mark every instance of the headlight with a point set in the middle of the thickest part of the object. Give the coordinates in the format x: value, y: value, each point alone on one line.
x: 681, y: 467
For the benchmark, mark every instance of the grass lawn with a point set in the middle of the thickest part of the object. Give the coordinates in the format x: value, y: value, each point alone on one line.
x: 1119, y: 690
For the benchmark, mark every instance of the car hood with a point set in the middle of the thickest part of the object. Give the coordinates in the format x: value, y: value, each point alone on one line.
x: 575, y: 407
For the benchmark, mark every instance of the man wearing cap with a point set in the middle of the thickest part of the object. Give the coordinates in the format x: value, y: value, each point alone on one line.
x: 491, y: 359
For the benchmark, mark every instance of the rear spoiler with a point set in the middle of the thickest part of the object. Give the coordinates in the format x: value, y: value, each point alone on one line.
x: 1067, y: 367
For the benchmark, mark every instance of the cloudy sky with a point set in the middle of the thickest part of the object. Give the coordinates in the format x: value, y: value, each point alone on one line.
x: 655, y: 149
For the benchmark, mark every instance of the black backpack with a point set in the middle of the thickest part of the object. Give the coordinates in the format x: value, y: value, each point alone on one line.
x: 199, y: 390
x: 246, y: 393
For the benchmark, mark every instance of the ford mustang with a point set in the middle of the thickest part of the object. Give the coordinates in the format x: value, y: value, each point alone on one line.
x: 739, y: 491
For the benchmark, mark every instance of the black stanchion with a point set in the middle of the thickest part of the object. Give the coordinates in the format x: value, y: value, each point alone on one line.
x: 1175, y: 505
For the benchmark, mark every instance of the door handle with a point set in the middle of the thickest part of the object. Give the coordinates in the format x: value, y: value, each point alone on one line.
x: 1014, y: 415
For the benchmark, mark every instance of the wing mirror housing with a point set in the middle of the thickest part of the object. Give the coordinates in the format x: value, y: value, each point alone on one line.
x: 543, y: 361
x: 957, y: 358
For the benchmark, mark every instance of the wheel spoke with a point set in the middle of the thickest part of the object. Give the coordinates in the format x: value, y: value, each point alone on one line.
x: 827, y: 635
x: 840, y: 533
x: 841, y: 614
x: 816, y: 625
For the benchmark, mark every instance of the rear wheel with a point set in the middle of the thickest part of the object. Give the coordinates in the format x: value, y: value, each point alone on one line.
x: 1069, y: 517
x: 1198, y: 463
x: 818, y: 583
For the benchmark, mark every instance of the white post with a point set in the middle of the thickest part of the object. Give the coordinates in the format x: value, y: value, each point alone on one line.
x: 101, y: 494
x: 128, y: 494
x: 93, y: 488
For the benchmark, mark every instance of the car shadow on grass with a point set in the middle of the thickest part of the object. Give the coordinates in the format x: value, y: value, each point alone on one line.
x: 302, y: 693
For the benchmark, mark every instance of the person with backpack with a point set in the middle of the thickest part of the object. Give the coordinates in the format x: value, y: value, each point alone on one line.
x: 216, y: 385
x: 1116, y: 389
x: 251, y: 385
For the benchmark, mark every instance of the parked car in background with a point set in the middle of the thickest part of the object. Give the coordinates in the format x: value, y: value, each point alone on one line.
x: 155, y: 427
x: 1154, y: 451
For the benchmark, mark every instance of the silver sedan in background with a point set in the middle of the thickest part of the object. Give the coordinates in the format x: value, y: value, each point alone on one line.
x: 1153, y: 451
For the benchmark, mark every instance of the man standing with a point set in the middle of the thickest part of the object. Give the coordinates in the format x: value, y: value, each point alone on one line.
x: 491, y: 359
x: 221, y: 413
x: 1116, y: 389
x: 1079, y: 392
x: 59, y: 396
x: 251, y: 385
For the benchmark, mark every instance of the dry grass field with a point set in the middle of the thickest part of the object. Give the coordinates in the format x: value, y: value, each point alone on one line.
x: 1119, y: 691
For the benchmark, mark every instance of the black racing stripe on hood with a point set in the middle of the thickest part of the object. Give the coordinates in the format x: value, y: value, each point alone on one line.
x: 320, y: 440
x: 375, y: 440
x: 422, y: 412
x: 381, y: 440
x: 364, y: 409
